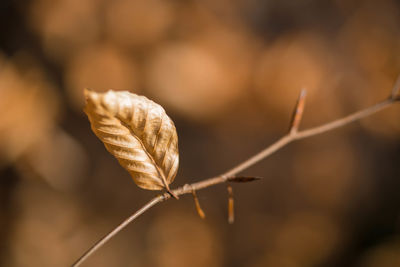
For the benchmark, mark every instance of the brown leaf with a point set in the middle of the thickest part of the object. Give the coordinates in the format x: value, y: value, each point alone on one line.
x: 138, y: 133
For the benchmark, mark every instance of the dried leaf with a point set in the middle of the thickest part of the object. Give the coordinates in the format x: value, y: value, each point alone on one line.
x: 138, y: 133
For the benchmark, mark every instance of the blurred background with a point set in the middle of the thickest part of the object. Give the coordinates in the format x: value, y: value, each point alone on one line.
x: 228, y: 73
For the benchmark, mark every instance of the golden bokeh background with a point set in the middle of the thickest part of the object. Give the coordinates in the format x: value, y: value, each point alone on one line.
x: 228, y: 73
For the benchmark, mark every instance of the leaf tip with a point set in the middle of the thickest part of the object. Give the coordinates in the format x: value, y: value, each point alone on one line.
x: 90, y: 96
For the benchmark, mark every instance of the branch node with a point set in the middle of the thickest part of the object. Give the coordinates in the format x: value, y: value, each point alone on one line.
x: 197, y: 204
x: 172, y: 193
x: 298, y: 113
x: 225, y: 176
x: 231, y: 214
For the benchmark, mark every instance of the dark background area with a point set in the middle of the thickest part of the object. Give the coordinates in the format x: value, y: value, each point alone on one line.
x: 228, y: 73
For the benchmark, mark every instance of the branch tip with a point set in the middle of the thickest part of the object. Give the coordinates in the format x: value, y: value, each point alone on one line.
x: 395, y: 90
x: 298, y: 112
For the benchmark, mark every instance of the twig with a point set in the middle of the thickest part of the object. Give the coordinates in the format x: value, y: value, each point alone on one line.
x: 291, y: 136
x: 107, y: 237
x: 346, y: 120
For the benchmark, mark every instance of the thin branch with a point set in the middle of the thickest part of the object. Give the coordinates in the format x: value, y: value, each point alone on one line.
x: 225, y: 177
x: 346, y: 120
x: 107, y: 237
